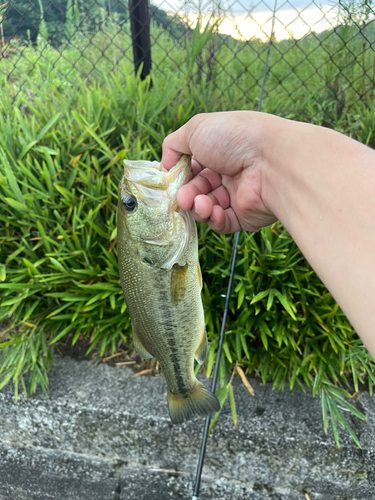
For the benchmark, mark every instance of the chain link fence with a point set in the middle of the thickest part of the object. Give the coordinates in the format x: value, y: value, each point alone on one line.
x: 322, y: 55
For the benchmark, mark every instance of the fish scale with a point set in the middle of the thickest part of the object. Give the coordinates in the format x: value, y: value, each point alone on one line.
x: 160, y: 278
x: 164, y: 327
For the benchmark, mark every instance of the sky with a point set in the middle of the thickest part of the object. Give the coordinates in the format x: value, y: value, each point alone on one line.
x: 245, y: 19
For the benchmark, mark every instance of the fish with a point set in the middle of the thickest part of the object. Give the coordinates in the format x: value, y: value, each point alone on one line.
x: 161, y: 279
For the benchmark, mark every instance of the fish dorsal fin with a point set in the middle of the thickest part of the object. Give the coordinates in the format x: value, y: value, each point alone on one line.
x: 179, y: 281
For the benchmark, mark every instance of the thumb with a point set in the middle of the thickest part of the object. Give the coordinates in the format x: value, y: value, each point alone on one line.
x: 181, y: 142
x: 174, y: 146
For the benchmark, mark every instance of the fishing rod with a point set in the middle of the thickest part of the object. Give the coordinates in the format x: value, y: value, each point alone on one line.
x: 227, y: 296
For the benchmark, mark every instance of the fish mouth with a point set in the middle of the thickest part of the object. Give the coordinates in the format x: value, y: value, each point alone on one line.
x: 182, y: 167
x: 153, y: 175
x: 152, y: 180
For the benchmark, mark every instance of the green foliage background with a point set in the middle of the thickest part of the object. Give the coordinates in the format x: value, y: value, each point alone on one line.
x: 62, y: 143
x: 22, y: 18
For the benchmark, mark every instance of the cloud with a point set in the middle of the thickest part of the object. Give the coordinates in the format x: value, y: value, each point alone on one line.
x: 238, y: 6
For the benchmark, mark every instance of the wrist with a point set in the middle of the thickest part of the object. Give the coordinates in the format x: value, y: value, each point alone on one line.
x: 277, y: 159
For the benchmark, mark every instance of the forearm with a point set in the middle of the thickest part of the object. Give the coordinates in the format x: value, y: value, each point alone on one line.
x: 321, y: 185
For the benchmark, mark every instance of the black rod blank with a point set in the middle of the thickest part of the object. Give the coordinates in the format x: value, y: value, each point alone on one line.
x: 216, y: 371
x: 226, y: 306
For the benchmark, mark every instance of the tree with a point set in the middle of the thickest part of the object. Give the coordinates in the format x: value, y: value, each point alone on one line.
x: 22, y: 17
x: 175, y: 26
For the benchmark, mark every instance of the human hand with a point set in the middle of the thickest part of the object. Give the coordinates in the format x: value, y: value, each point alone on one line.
x: 252, y: 168
x: 227, y: 169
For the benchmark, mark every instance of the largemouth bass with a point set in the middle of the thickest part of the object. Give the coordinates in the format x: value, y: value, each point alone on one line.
x: 161, y: 281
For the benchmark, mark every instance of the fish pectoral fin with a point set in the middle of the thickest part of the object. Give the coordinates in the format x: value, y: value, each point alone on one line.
x: 201, y: 352
x: 139, y: 347
x: 179, y: 281
x: 199, y: 272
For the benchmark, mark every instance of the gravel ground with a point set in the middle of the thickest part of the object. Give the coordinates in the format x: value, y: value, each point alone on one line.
x: 105, y: 435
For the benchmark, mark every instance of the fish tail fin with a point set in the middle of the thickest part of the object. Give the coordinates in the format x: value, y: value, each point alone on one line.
x: 200, y: 401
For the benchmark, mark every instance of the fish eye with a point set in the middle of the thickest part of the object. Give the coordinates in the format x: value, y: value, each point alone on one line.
x: 130, y: 203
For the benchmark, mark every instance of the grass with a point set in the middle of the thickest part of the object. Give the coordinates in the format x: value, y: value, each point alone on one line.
x: 62, y: 142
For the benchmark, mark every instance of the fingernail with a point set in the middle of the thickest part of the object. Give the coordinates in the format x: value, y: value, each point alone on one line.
x: 197, y: 211
x: 212, y: 219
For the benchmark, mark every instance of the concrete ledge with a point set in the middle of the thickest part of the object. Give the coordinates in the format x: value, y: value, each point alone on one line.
x: 104, y: 435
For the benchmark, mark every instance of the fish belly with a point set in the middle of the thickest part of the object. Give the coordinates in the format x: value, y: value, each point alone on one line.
x: 170, y: 332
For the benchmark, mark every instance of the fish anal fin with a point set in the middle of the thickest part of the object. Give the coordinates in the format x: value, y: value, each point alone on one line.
x: 199, y: 273
x: 200, y: 401
x: 201, y: 352
x: 139, y: 347
x: 179, y: 282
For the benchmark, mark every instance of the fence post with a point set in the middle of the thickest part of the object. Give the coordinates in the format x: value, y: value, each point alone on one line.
x: 140, y: 24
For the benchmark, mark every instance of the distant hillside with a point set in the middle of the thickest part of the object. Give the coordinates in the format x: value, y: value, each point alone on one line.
x: 173, y: 24
x: 22, y: 18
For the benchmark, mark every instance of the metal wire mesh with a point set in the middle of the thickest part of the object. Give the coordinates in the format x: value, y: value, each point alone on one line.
x: 322, y: 55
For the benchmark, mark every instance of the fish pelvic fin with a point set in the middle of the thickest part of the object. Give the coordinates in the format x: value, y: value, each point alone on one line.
x: 200, y: 401
x: 201, y: 352
x: 139, y: 347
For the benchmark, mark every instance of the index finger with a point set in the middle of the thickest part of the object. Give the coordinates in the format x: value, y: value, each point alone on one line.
x: 203, y: 183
